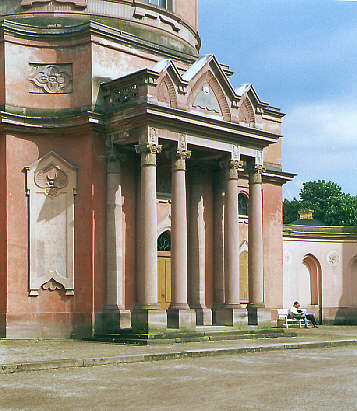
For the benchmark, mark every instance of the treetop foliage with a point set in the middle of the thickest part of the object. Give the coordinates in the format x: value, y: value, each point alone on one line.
x: 332, y: 206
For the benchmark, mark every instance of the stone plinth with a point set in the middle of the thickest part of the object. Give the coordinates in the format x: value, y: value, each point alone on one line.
x: 181, y: 319
x: 231, y: 316
x: 258, y: 314
x: 150, y: 321
x: 203, y: 316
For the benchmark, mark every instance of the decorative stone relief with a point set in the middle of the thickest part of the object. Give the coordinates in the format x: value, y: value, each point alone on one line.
x: 246, y: 113
x: 77, y: 3
x: 259, y: 159
x: 206, y: 100
x: 120, y: 95
x: 153, y: 136
x: 235, y: 152
x: 51, y: 186
x: 333, y: 258
x: 51, y: 78
x: 182, y: 142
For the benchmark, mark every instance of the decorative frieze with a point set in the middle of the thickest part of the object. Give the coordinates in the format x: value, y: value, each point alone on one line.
x: 77, y: 3
x: 51, y: 78
x: 51, y: 185
x: 117, y: 96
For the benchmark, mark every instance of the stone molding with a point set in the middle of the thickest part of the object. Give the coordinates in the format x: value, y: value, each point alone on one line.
x: 77, y: 3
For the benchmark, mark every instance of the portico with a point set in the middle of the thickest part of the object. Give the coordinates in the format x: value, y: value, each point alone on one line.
x: 206, y: 160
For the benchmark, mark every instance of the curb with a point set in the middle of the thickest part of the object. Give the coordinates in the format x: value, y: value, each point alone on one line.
x: 135, y: 358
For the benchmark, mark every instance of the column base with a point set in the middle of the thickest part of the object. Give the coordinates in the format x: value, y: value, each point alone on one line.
x: 203, y: 316
x: 181, y: 318
x: 116, y: 319
x: 231, y: 316
x: 258, y: 314
x: 148, y: 321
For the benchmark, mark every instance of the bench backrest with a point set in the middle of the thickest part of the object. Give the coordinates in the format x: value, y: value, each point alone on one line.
x: 282, y: 313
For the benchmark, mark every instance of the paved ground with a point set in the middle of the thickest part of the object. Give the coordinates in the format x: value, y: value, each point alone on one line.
x: 318, y: 379
x: 23, y: 351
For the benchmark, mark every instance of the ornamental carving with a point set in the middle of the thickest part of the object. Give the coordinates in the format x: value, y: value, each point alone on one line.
x: 52, y: 179
x: 118, y: 96
x: 77, y: 3
x: 153, y: 136
x: 333, y: 258
x: 51, y: 184
x: 52, y: 285
x: 51, y: 78
x: 182, y: 142
x: 206, y: 100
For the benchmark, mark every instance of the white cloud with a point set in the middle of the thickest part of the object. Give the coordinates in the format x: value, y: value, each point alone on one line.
x: 320, y: 142
x: 332, y: 123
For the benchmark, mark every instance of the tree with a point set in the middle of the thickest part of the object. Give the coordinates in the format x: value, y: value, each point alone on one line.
x: 332, y: 206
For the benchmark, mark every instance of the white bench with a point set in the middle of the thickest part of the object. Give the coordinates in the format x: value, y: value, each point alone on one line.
x: 285, y: 321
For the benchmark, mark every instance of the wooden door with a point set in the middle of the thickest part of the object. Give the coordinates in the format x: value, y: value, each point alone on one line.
x: 164, y: 278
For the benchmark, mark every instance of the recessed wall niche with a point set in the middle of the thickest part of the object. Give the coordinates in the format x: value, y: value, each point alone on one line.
x: 51, y: 184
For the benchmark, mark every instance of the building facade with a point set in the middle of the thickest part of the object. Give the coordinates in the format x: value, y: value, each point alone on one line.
x: 320, y: 267
x: 139, y: 188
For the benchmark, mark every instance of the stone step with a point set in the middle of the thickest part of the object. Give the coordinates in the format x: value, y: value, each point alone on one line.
x: 171, y: 337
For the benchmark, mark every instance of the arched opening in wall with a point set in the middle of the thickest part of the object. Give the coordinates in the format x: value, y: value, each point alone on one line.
x: 312, y: 283
x: 164, y: 270
x: 242, y: 205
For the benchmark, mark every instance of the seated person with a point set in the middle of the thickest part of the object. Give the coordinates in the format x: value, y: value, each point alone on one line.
x: 296, y: 312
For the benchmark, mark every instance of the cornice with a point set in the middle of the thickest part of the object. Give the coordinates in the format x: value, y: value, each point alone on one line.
x: 49, y: 123
x: 43, y: 34
x: 327, y: 233
x: 191, y: 122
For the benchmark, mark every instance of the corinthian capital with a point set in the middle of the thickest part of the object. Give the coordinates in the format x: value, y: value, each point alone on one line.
x: 148, y: 153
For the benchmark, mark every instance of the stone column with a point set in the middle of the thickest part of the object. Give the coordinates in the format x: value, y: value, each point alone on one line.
x: 147, y: 316
x: 179, y: 314
x: 219, y: 197
x: 116, y: 317
x: 256, y: 306
x: 232, y: 312
x: 198, y: 249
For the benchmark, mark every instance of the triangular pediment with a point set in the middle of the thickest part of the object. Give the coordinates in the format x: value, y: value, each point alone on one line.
x: 209, y: 88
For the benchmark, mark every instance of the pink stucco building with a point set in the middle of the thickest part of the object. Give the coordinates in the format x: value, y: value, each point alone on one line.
x: 320, y: 267
x: 128, y: 161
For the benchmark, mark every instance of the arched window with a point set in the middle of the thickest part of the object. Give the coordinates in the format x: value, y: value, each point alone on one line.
x: 159, y: 3
x: 242, y: 205
x: 164, y: 242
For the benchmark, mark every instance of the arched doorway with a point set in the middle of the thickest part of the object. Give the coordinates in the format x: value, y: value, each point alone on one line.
x: 312, y: 283
x: 164, y: 270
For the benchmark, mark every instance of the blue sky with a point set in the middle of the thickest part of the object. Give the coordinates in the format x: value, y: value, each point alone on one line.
x: 301, y: 56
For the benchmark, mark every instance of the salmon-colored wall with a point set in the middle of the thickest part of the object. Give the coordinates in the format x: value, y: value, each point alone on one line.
x: 273, y: 245
x: 17, y: 59
x: 188, y: 9
x: 272, y: 153
x: 83, y: 150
